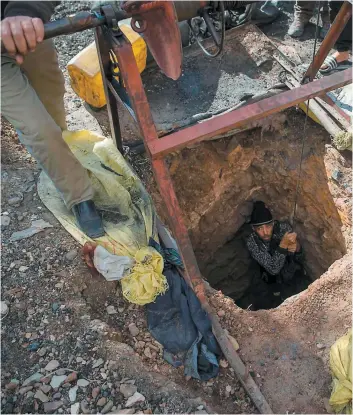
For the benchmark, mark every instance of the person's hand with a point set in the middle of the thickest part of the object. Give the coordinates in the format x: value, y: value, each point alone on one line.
x: 289, y: 238
x: 292, y: 247
x: 20, y: 35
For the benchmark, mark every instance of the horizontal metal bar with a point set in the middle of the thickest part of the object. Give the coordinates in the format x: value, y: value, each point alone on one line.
x: 159, y: 148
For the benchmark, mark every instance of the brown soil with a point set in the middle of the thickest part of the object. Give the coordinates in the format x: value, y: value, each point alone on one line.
x: 279, y: 347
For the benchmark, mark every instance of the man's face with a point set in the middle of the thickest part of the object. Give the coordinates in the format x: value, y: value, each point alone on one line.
x: 264, y: 231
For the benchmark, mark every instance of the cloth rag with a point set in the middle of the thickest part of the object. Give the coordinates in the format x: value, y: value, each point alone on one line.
x: 177, y: 321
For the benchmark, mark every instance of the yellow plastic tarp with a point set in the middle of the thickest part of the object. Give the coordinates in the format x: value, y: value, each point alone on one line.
x: 128, y: 214
x: 146, y: 280
x: 341, y: 368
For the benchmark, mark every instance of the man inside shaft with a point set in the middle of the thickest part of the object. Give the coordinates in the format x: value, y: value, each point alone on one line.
x: 275, y: 247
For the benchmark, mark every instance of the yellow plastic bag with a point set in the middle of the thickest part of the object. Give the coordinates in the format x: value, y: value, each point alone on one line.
x: 341, y: 368
x: 119, y: 195
x: 124, y: 196
x: 146, y: 280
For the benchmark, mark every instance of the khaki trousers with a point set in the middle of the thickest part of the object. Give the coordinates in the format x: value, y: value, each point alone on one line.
x: 32, y: 101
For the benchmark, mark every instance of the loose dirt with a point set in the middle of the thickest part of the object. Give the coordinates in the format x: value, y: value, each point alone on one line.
x: 58, y: 312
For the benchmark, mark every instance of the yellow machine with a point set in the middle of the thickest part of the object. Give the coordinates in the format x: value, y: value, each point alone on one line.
x: 85, y: 74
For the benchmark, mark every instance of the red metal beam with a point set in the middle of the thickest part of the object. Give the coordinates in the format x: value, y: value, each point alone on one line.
x: 328, y: 43
x: 159, y: 148
x: 134, y: 86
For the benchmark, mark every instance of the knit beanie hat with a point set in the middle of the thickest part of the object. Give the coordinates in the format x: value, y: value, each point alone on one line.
x: 260, y: 214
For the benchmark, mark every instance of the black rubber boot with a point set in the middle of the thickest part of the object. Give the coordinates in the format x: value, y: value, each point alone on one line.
x: 88, y: 219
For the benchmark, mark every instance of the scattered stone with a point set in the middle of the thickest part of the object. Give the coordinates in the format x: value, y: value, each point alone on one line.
x: 320, y: 346
x: 71, y: 255
x: 45, y: 379
x: 32, y: 379
x: 75, y: 409
x: 221, y: 313
x: 108, y: 406
x: 60, y: 372
x: 42, y: 351
x: 57, y: 381
x: 147, y: 352
x: 250, y: 329
x: 228, y: 389
x: 52, y: 407
x: 234, y: 342
x: 45, y: 388
x: 16, y: 200
x: 134, y: 331
x: 71, y: 377
x: 5, y: 220
x: 29, y: 395
x: 95, y: 392
x: 13, y: 384
x: 127, y: 390
x: 97, y: 363
x: 57, y: 396
x: 24, y: 390
x: 52, y: 365
x: 84, y: 407
x: 79, y: 359
x: 82, y: 383
x: 102, y: 401
x: 134, y: 399
x: 111, y: 310
x: 223, y: 363
x: 73, y: 394
x: 126, y: 411
x: 55, y: 307
x: 41, y: 396
x: 33, y: 347
x: 4, y: 309
x: 200, y: 407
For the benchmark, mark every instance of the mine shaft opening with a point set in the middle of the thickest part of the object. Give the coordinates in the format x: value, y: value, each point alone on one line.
x: 240, y: 277
x: 225, y: 176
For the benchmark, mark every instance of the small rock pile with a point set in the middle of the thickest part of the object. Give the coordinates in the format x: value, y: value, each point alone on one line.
x: 62, y: 390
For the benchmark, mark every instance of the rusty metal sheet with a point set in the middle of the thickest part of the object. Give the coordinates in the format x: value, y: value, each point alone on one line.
x: 158, y: 22
x: 231, y: 120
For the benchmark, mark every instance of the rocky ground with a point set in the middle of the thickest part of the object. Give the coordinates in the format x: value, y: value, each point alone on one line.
x: 70, y: 344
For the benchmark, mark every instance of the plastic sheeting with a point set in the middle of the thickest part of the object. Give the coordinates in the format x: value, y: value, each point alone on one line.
x: 128, y: 212
x: 341, y: 368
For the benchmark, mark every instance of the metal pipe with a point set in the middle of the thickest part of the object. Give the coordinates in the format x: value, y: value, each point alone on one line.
x: 71, y: 24
x: 328, y: 43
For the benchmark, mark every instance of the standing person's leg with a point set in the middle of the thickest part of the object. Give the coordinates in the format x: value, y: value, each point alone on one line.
x: 303, y: 11
x: 45, y: 76
x: 43, y: 137
x: 343, y: 45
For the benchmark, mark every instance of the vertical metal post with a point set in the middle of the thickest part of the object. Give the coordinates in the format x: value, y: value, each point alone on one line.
x: 105, y: 65
x: 327, y: 44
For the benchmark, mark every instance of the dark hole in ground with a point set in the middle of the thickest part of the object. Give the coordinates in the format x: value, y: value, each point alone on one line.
x: 238, y: 275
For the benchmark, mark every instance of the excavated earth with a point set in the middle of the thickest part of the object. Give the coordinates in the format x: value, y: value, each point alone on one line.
x: 58, y: 311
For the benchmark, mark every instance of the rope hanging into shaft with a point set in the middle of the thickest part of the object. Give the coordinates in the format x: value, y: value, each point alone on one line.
x: 305, y: 125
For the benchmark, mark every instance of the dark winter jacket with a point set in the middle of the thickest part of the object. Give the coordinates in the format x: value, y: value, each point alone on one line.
x: 271, y: 257
x: 41, y: 9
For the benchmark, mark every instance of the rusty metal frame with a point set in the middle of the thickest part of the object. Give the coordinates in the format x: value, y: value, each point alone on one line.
x: 158, y: 148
